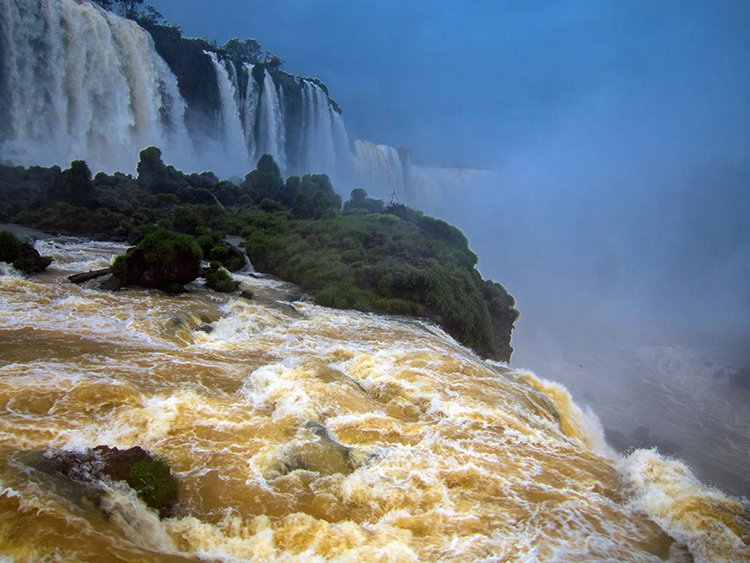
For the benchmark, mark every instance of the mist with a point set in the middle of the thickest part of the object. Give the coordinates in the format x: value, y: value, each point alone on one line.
x: 614, y: 191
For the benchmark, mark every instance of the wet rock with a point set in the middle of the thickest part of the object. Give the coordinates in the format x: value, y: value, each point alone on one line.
x: 145, y: 473
x: 320, y: 453
x: 163, y: 260
x: 22, y: 255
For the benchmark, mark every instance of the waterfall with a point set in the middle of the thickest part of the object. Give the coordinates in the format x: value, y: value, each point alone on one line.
x: 271, y: 128
x: 80, y: 82
x: 318, y: 126
x: 229, y: 124
x: 379, y: 166
x: 249, y: 110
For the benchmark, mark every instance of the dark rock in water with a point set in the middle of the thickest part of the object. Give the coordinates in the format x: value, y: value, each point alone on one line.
x: 219, y: 280
x: 231, y: 257
x: 22, y: 255
x: 147, y: 475
x: 322, y: 454
x: 177, y: 270
x: 163, y: 260
x: 246, y: 294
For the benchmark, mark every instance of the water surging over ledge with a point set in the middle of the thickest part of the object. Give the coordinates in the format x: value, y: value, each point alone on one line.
x: 300, y: 432
x: 78, y: 82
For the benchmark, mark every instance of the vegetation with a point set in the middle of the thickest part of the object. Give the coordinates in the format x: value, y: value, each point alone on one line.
x: 218, y: 279
x: 360, y: 255
x: 23, y: 256
x: 10, y: 247
x: 152, y: 479
x: 163, y: 259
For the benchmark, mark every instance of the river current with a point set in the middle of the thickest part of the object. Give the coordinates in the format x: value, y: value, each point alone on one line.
x: 304, y: 433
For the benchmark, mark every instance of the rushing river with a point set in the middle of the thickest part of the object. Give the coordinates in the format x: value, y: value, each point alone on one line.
x: 304, y: 433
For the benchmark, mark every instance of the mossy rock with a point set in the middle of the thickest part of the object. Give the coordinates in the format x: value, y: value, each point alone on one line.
x: 147, y: 474
x: 152, y: 479
x: 22, y: 255
x: 219, y: 280
x: 163, y: 259
x: 231, y: 257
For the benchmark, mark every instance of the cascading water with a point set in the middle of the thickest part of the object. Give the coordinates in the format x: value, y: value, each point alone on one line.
x: 379, y: 165
x: 271, y: 128
x: 323, y: 129
x: 303, y: 433
x: 229, y: 119
x: 79, y: 82
x: 248, y: 110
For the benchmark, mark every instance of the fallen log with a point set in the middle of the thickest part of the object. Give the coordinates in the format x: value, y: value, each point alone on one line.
x: 91, y: 275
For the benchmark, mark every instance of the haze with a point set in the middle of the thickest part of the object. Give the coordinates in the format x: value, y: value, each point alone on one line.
x: 615, y: 206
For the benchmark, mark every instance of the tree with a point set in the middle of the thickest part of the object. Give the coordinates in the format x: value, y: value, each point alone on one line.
x: 265, y: 181
x: 130, y: 9
x: 316, y: 198
x: 245, y: 50
x: 155, y: 176
x: 150, y: 16
x: 273, y: 61
x: 106, y: 4
x: 360, y: 204
x: 74, y: 186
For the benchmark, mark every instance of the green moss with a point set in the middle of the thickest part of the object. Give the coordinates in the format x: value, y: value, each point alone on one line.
x: 120, y: 266
x: 152, y: 479
x: 10, y: 247
x: 161, y: 246
x: 220, y: 280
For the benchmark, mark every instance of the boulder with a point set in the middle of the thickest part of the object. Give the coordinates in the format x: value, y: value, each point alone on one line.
x: 218, y: 279
x: 146, y: 474
x: 163, y: 260
x: 22, y: 255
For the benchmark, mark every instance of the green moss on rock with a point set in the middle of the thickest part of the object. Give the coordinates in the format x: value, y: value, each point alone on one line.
x: 163, y: 260
x: 152, y: 479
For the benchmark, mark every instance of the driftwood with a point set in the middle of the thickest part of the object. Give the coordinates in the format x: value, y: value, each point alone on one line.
x: 92, y: 275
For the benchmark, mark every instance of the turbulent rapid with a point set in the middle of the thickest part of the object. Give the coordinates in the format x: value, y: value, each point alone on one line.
x: 304, y: 433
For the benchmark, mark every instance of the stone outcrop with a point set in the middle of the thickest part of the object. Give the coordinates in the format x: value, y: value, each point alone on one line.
x: 146, y: 474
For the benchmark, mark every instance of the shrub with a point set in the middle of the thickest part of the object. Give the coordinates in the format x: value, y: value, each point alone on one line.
x: 219, y: 279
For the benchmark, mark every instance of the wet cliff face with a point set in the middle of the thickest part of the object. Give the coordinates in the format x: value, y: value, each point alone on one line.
x: 195, y: 75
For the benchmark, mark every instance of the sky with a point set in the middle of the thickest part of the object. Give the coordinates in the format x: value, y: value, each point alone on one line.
x: 616, y: 135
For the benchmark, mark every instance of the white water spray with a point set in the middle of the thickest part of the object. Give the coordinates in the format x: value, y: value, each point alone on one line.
x: 82, y: 83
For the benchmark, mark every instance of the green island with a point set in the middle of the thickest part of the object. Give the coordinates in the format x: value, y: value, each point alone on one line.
x: 358, y: 254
